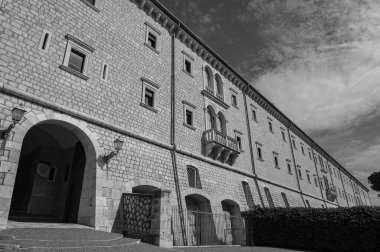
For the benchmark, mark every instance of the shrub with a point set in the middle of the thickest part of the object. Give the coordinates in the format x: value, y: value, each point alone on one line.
x: 333, y: 229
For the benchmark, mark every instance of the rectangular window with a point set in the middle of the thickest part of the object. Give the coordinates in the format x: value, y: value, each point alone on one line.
x: 234, y: 100
x: 259, y: 152
x: 275, y: 159
x: 309, y: 154
x: 2, y: 178
x: 76, y: 60
x: 238, y: 139
x: 152, y: 40
x: 283, y: 136
x: 149, y: 97
x: 315, y: 180
x: 189, y: 117
x: 248, y: 194
x: 308, y: 176
x: 299, y: 172
x: 188, y: 66
x: 294, y: 143
x: 302, y: 149
x: 288, y: 164
x: 254, y: 115
x: 270, y: 126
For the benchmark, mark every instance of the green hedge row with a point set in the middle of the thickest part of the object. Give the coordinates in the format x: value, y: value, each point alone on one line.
x: 333, y: 229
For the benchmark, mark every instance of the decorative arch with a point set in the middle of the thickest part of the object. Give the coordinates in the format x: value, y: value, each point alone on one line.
x: 219, y: 87
x: 210, y: 117
x: 91, y: 147
x: 146, y: 182
x: 222, y: 123
x: 209, y: 80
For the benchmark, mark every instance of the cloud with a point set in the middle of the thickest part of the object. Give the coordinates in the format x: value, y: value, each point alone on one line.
x: 321, y: 60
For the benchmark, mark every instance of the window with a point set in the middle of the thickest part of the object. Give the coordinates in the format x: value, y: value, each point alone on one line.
x: 299, y: 172
x: 248, y: 194
x: 307, y: 203
x: 288, y: 164
x: 270, y: 126
x: 259, y: 151
x: 275, y: 159
x: 238, y: 137
x: 309, y: 154
x: 76, y: 57
x: 148, y: 99
x: 294, y: 143
x: 189, y: 117
x: 234, y: 100
x: 91, y: 1
x: 187, y: 63
x: 209, y: 79
x: 2, y: 178
x: 308, y: 176
x: 152, y: 37
x: 254, y: 115
x: 302, y: 149
x: 219, y: 87
x: 269, y: 197
x: 283, y: 135
x: 323, y: 206
x: 45, y: 41
x: 104, y: 75
x: 285, y: 200
x: 91, y: 4
x: 193, y: 177
x: 316, y: 180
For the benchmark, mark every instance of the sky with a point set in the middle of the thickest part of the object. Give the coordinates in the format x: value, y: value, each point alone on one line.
x: 318, y: 61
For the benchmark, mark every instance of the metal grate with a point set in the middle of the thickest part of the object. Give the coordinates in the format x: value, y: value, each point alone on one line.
x: 193, y: 177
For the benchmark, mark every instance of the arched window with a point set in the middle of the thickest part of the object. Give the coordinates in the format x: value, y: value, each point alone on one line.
x: 222, y: 123
x: 209, y: 77
x: 248, y: 194
x: 269, y: 197
x: 211, y: 120
x: 307, y: 203
x: 219, y: 87
x: 193, y: 177
x: 285, y: 199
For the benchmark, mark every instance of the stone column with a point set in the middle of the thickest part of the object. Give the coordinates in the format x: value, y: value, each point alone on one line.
x: 161, y: 219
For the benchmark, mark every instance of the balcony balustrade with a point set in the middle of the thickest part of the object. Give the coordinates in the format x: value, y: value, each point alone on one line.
x: 331, y: 193
x: 220, y: 147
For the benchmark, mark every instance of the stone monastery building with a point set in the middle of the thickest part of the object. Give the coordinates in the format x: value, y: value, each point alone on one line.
x: 113, y: 114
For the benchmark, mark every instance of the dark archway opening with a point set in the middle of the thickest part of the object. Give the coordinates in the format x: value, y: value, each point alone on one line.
x: 49, y: 177
x: 234, y: 223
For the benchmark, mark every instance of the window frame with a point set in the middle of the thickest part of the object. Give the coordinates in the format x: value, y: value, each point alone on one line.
x: 150, y: 29
x: 270, y: 125
x: 275, y: 160
x: 197, y: 179
x: 104, y: 72
x: 153, y: 87
x: 248, y: 194
x: 259, y: 154
x: 187, y: 57
x: 92, y: 6
x: 254, y: 113
x: 294, y: 142
x: 308, y: 177
x: 269, y: 197
x: 299, y: 172
x: 285, y: 199
x: 192, y: 108
x: 234, y: 94
x: 83, y: 48
x: 283, y: 134
x: 45, y: 42
x: 239, y: 134
x: 289, y: 166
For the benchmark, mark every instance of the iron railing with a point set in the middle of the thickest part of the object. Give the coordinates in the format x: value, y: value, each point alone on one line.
x: 215, y: 136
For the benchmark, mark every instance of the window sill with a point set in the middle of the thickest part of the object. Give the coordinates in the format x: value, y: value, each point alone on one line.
x: 189, y: 126
x: 262, y: 160
x: 277, y: 167
x: 90, y: 5
x: 235, y: 106
x: 290, y: 173
x: 271, y: 131
x: 76, y: 73
x: 152, y: 48
x: 149, y: 107
x: 186, y: 72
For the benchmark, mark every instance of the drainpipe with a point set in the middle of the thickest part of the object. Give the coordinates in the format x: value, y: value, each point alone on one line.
x: 294, y: 162
x: 251, y: 150
x: 172, y: 138
x: 316, y: 170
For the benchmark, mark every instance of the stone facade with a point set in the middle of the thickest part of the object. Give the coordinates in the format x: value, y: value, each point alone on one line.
x: 159, y: 145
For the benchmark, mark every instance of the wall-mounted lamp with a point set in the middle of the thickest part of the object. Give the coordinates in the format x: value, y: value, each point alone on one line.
x: 118, y: 144
x: 17, y: 114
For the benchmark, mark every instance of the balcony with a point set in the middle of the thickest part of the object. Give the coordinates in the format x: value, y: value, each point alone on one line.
x: 220, y: 147
x: 331, y: 193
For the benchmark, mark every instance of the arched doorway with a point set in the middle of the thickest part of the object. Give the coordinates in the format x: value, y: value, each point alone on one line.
x: 50, y: 174
x: 234, y: 224
x: 199, y: 221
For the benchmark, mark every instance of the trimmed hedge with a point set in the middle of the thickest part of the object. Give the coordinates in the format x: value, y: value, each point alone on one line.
x: 333, y: 229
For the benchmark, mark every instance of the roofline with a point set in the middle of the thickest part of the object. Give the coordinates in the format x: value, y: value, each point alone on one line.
x: 191, y: 33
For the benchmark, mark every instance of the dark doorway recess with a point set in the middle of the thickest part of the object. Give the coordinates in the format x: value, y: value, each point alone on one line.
x: 49, y: 177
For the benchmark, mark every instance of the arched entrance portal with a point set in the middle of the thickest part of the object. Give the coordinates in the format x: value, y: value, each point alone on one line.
x: 234, y: 232
x: 50, y: 174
